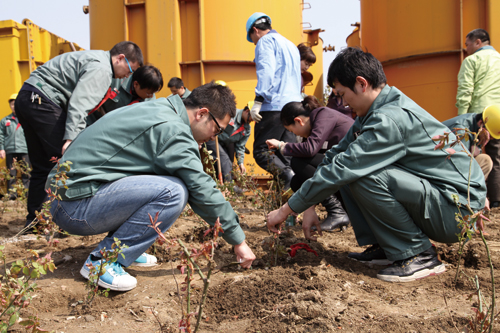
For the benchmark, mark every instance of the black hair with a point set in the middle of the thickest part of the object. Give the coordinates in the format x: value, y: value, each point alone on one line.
x: 175, y: 82
x: 219, y: 100
x: 306, y: 53
x: 479, y: 34
x: 131, y: 51
x: 148, y: 77
x: 353, y: 62
x: 292, y: 110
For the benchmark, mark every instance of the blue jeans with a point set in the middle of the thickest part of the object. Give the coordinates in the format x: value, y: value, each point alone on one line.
x: 121, y: 208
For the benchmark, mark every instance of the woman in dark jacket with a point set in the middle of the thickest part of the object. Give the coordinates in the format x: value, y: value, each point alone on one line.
x: 322, y: 128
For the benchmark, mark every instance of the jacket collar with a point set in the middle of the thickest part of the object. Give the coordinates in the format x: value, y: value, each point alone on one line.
x: 380, y: 100
x: 178, y: 106
x: 486, y: 47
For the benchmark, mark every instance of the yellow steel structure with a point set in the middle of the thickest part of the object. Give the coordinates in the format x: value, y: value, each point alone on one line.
x: 201, y: 40
x: 420, y: 44
x: 25, y: 47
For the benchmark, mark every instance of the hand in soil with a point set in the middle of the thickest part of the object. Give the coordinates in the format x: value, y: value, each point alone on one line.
x: 278, y: 216
x: 311, y: 218
x: 244, y: 255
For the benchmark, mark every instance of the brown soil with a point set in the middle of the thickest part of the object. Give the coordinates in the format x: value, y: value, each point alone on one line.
x: 307, y: 293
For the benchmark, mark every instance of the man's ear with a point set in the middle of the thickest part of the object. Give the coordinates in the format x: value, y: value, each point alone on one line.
x: 362, y: 83
x: 200, y: 113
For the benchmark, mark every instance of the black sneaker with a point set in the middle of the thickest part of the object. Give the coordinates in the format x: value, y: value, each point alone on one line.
x: 372, y: 255
x: 417, y: 267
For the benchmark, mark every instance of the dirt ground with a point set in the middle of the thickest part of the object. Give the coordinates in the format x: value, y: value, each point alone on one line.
x: 306, y: 293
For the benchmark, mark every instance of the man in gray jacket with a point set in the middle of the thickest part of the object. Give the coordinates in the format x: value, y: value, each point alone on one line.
x: 53, y: 104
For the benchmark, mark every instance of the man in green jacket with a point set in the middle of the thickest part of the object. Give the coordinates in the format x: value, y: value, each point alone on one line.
x: 398, y: 190
x: 478, y: 88
x: 13, y: 146
x: 138, y: 87
x: 177, y: 87
x: 126, y: 166
x: 54, y: 101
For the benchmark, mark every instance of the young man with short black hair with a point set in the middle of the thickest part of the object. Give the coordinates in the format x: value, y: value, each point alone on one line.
x: 125, y: 167
x: 398, y: 190
x: 177, y: 87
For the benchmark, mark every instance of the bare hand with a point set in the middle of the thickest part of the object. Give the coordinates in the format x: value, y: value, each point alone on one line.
x: 273, y: 143
x: 242, y: 168
x: 484, y: 138
x: 2, y: 154
x: 487, y: 204
x: 277, y: 216
x: 311, y: 218
x: 244, y: 255
x: 65, y: 146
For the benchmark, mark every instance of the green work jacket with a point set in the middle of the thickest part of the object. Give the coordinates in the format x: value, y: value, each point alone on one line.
x: 478, y: 81
x: 236, y: 133
x: 76, y: 82
x: 395, y: 131
x: 12, y: 136
x: 186, y: 93
x: 158, y: 142
x: 468, y: 121
x: 124, y: 96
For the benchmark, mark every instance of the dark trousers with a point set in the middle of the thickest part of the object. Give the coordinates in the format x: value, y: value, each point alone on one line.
x: 493, y: 181
x: 44, y: 126
x: 270, y: 127
x: 9, y: 160
x: 226, y: 159
x: 304, y: 168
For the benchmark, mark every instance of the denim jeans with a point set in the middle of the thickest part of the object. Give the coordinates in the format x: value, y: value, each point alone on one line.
x: 121, y: 208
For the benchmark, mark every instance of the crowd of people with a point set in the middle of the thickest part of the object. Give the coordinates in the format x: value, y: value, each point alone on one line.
x: 368, y: 156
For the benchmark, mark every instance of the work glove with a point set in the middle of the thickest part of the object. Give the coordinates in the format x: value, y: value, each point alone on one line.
x: 254, y: 112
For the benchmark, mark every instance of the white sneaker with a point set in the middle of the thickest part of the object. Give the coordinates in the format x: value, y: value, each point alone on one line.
x: 115, y: 277
x: 145, y: 260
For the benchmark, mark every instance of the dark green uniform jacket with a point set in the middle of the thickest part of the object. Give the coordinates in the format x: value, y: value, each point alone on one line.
x: 468, y: 120
x: 152, y: 138
x: 236, y: 133
x: 395, y: 131
x: 12, y: 136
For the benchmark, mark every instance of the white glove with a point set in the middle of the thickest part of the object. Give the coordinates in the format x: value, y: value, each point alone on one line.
x: 254, y: 112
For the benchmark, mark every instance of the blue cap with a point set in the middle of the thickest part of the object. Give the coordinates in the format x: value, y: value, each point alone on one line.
x: 252, y: 20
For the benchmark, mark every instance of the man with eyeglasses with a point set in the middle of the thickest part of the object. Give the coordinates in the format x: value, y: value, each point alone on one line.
x: 53, y: 104
x: 126, y: 167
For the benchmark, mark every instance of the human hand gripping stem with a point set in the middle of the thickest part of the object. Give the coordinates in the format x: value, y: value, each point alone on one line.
x: 273, y: 143
x: 277, y: 216
x: 244, y: 254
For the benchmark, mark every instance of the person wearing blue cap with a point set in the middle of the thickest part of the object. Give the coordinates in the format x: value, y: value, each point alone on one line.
x: 277, y: 61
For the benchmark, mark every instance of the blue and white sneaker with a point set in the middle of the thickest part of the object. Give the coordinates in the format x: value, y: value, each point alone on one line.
x: 145, y: 260
x: 115, y: 277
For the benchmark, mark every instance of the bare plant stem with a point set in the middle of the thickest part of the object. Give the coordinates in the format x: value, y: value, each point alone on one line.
x: 188, y: 289
x: 492, y: 306
x: 206, y: 283
x: 460, y: 251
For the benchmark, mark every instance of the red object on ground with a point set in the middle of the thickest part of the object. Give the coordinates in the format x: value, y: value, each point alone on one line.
x: 295, y: 247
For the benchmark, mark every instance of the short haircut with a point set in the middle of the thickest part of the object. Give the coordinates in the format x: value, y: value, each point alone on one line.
x: 353, y: 62
x: 306, y: 53
x: 292, y: 110
x: 148, y: 77
x: 175, y: 82
x: 218, y: 99
x: 131, y: 51
x: 479, y: 34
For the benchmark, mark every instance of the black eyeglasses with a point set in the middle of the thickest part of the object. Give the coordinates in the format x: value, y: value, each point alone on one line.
x: 220, y: 129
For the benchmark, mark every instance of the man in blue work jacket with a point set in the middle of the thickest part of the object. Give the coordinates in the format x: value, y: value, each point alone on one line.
x: 54, y: 101
x: 126, y: 166
x: 277, y: 61
x: 398, y: 190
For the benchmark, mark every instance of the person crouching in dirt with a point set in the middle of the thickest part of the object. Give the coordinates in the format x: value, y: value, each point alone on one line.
x: 143, y: 160
x: 235, y: 136
x: 322, y: 128
x: 397, y: 189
